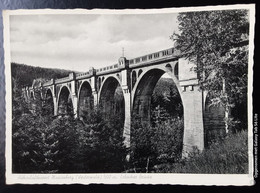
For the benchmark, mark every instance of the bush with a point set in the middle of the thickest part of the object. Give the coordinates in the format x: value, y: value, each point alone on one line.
x: 34, y: 148
x: 151, y: 145
x: 102, y: 143
x: 224, y: 157
x: 67, y: 145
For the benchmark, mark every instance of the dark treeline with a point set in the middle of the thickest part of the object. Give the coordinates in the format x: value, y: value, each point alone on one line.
x: 24, y: 74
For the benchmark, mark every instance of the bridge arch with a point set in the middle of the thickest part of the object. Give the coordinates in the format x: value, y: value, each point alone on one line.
x: 49, y: 101
x: 37, y: 94
x: 85, y: 98
x: 111, y: 97
x: 144, y: 87
x: 161, y: 69
x: 168, y: 67
x: 140, y: 72
x: 65, y: 104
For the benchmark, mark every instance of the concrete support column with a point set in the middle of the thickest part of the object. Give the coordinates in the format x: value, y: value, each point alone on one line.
x: 95, y: 96
x: 192, y: 99
x: 75, y: 105
x: 74, y: 98
x: 25, y: 92
x: 126, y: 84
x: 55, y: 105
x: 55, y: 98
x: 193, y: 119
x: 28, y: 93
x: 93, y: 87
x: 127, y: 124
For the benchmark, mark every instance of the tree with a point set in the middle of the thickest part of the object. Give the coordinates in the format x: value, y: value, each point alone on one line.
x: 34, y: 148
x: 166, y: 102
x: 153, y: 145
x: 102, y: 143
x: 217, y: 42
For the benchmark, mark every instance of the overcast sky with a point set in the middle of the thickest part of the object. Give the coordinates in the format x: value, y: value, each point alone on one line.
x: 77, y: 42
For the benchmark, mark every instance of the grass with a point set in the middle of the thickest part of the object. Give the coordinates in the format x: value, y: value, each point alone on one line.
x: 229, y: 156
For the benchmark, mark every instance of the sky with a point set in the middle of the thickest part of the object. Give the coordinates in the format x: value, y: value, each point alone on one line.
x: 80, y: 41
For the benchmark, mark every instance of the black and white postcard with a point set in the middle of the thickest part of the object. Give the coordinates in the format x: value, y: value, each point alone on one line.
x: 155, y: 96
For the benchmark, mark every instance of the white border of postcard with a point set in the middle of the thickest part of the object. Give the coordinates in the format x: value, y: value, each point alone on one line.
x: 119, y: 178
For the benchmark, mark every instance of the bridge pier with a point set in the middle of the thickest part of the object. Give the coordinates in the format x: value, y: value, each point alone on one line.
x: 93, y: 87
x: 193, y: 119
x: 55, y: 106
x: 95, y: 96
x: 74, y: 96
x: 192, y: 100
x: 127, y: 123
x: 126, y: 84
x: 75, y: 105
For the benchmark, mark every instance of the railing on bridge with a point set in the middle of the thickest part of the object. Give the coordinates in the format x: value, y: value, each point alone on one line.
x: 48, y: 83
x: 61, y: 80
x: 153, y: 56
x: 135, y: 61
x: 82, y: 75
x: 107, y: 68
x: 141, y: 59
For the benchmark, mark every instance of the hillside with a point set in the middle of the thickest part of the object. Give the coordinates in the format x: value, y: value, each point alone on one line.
x: 24, y: 74
x: 226, y: 156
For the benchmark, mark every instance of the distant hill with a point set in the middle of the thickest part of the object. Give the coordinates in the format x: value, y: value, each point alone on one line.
x: 25, y: 74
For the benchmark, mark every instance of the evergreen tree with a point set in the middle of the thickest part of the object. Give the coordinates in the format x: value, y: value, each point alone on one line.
x: 34, y: 147
x: 103, y: 145
x: 152, y: 145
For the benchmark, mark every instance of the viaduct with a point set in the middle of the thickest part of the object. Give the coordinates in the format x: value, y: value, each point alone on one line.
x: 137, y: 78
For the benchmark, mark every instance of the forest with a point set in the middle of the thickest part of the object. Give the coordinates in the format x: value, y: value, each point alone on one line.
x: 21, y: 71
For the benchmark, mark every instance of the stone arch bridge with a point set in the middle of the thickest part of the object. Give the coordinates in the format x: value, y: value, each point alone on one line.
x: 137, y: 78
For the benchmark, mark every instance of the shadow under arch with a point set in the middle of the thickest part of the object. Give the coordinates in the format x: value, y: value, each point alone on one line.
x: 144, y: 90
x: 65, y: 105
x: 111, y: 100
x: 86, y: 99
x: 49, y: 103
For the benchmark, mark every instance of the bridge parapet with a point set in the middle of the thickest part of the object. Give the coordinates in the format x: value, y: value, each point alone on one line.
x: 83, y: 75
x: 62, y: 80
x: 48, y: 83
x: 107, y: 69
x: 152, y: 57
x: 88, y: 74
